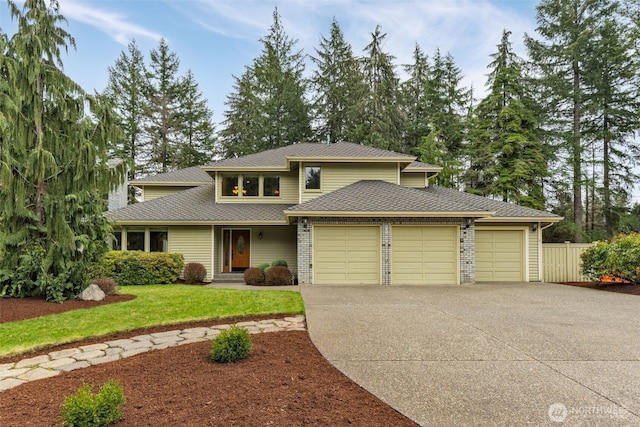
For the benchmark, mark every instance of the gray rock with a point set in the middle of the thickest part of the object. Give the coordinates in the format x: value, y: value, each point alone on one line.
x: 92, y: 293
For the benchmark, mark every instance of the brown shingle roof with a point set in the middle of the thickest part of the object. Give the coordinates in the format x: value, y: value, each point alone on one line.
x: 196, y: 205
x: 280, y: 157
x: 190, y: 176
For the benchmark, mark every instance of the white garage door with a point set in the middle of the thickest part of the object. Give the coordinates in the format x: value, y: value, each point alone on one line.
x: 499, y: 255
x: 346, y: 255
x: 424, y: 255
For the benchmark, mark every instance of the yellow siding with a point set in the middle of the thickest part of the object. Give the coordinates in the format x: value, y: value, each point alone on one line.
x: 413, y: 180
x: 337, y: 175
x: 288, y: 190
x: 277, y: 242
x: 195, y: 243
x: 153, y: 192
x: 424, y: 255
x: 346, y: 255
x: 534, y: 257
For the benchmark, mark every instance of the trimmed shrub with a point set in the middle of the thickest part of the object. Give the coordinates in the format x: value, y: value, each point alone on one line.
x: 253, y: 276
x: 82, y: 409
x: 231, y: 345
x: 264, y: 266
x: 278, y: 276
x: 143, y: 268
x: 619, y: 259
x: 279, y: 261
x: 194, y: 272
x: 107, y: 284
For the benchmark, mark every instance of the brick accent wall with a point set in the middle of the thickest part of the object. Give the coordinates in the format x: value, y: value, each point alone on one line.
x: 305, y: 243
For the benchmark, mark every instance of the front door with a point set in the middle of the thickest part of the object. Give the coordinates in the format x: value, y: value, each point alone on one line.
x: 238, y: 243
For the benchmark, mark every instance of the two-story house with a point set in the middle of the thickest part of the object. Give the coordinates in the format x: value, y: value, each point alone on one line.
x: 338, y: 214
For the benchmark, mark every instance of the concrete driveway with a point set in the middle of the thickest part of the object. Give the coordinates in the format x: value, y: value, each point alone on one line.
x: 489, y: 354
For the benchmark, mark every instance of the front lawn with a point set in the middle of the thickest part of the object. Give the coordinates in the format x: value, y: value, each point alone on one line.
x: 154, y: 305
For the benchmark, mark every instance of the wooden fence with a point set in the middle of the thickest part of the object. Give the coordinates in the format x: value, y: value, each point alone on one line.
x: 561, y: 262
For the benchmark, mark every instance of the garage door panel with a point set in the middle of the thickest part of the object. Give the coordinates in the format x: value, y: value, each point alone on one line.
x: 499, y: 255
x: 424, y: 255
x: 346, y: 255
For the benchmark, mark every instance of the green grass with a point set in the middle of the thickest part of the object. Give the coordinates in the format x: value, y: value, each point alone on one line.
x: 155, y: 305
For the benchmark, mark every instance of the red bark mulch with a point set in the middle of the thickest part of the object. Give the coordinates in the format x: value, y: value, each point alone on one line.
x: 284, y: 382
x: 624, y: 288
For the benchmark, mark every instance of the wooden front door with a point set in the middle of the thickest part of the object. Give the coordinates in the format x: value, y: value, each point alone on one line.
x: 240, y: 250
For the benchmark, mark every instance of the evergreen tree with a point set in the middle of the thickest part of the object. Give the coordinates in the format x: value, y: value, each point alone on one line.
x: 338, y: 84
x: 379, y: 116
x: 165, y: 91
x: 53, y: 163
x: 268, y: 108
x: 414, y: 102
x: 197, y: 143
x: 563, y: 60
x: 506, y: 157
x: 127, y: 88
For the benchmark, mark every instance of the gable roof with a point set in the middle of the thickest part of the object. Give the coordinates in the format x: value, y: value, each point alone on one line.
x: 196, y: 205
x: 281, y: 158
x: 182, y: 177
x: 380, y: 198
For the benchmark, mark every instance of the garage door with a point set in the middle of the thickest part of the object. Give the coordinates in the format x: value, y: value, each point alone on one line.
x: 499, y: 255
x: 424, y: 255
x: 346, y: 255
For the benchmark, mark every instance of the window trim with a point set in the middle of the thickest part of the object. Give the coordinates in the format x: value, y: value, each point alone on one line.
x: 240, y: 191
x: 312, y: 190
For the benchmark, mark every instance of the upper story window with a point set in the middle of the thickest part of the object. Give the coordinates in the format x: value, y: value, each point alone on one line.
x: 230, y: 185
x: 312, y: 178
x: 271, y: 186
x: 251, y: 185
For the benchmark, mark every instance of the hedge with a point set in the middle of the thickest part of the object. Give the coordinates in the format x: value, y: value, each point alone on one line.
x: 619, y: 259
x: 142, y: 268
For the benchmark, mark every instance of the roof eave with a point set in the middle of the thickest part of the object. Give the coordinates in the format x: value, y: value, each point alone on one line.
x: 198, y: 222
x: 387, y: 214
x: 521, y: 219
x: 169, y: 183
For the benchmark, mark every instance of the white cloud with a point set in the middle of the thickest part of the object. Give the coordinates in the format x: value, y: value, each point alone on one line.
x: 114, y: 25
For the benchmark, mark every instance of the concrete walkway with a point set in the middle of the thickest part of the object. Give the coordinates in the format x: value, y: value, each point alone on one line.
x: 487, y: 354
x: 52, y: 364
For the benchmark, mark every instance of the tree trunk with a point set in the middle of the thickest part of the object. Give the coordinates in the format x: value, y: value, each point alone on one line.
x: 577, y: 151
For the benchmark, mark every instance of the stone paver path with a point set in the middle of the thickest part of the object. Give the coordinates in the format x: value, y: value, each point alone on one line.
x: 52, y: 364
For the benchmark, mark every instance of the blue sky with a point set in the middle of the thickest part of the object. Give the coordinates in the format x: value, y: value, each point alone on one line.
x: 216, y: 39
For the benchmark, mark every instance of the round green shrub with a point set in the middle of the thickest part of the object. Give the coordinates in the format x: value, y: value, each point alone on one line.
x: 278, y: 276
x: 82, y: 409
x: 253, y: 277
x: 279, y: 261
x: 264, y: 266
x: 194, y: 272
x: 231, y: 345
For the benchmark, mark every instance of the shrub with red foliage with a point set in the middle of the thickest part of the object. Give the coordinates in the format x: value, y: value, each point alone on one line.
x: 107, y: 284
x: 194, y: 272
x: 278, y: 276
x: 253, y: 277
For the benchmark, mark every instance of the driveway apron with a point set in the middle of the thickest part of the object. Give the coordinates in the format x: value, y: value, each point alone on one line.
x: 487, y: 354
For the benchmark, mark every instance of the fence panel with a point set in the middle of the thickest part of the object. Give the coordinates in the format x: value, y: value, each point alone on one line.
x: 561, y: 262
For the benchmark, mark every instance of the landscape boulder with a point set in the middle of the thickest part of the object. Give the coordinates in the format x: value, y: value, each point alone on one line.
x: 92, y: 293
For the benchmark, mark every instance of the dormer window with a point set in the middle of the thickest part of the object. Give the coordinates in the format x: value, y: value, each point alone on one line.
x: 250, y: 185
x: 312, y: 178
x: 271, y: 186
x: 230, y: 185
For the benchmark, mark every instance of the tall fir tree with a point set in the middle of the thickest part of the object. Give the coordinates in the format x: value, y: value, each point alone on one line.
x: 127, y: 88
x: 563, y: 59
x: 197, y: 142
x: 414, y: 102
x: 379, y: 115
x: 165, y: 91
x: 338, y: 84
x: 268, y: 108
x: 53, y: 163
x: 506, y: 156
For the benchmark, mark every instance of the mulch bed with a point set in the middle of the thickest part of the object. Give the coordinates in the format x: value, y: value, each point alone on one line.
x: 285, y: 382
x: 625, y: 288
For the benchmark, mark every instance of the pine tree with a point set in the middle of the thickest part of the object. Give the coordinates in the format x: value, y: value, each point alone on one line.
x: 506, y: 157
x: 268, y: 108
x: 380, y: 119
x: 165, y: 92
x: 338, y: 84
x: 563, y: 60
x: 127, y: 88
x: 414, y: 102
x: 197, y: 142
x: 53, y: 163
